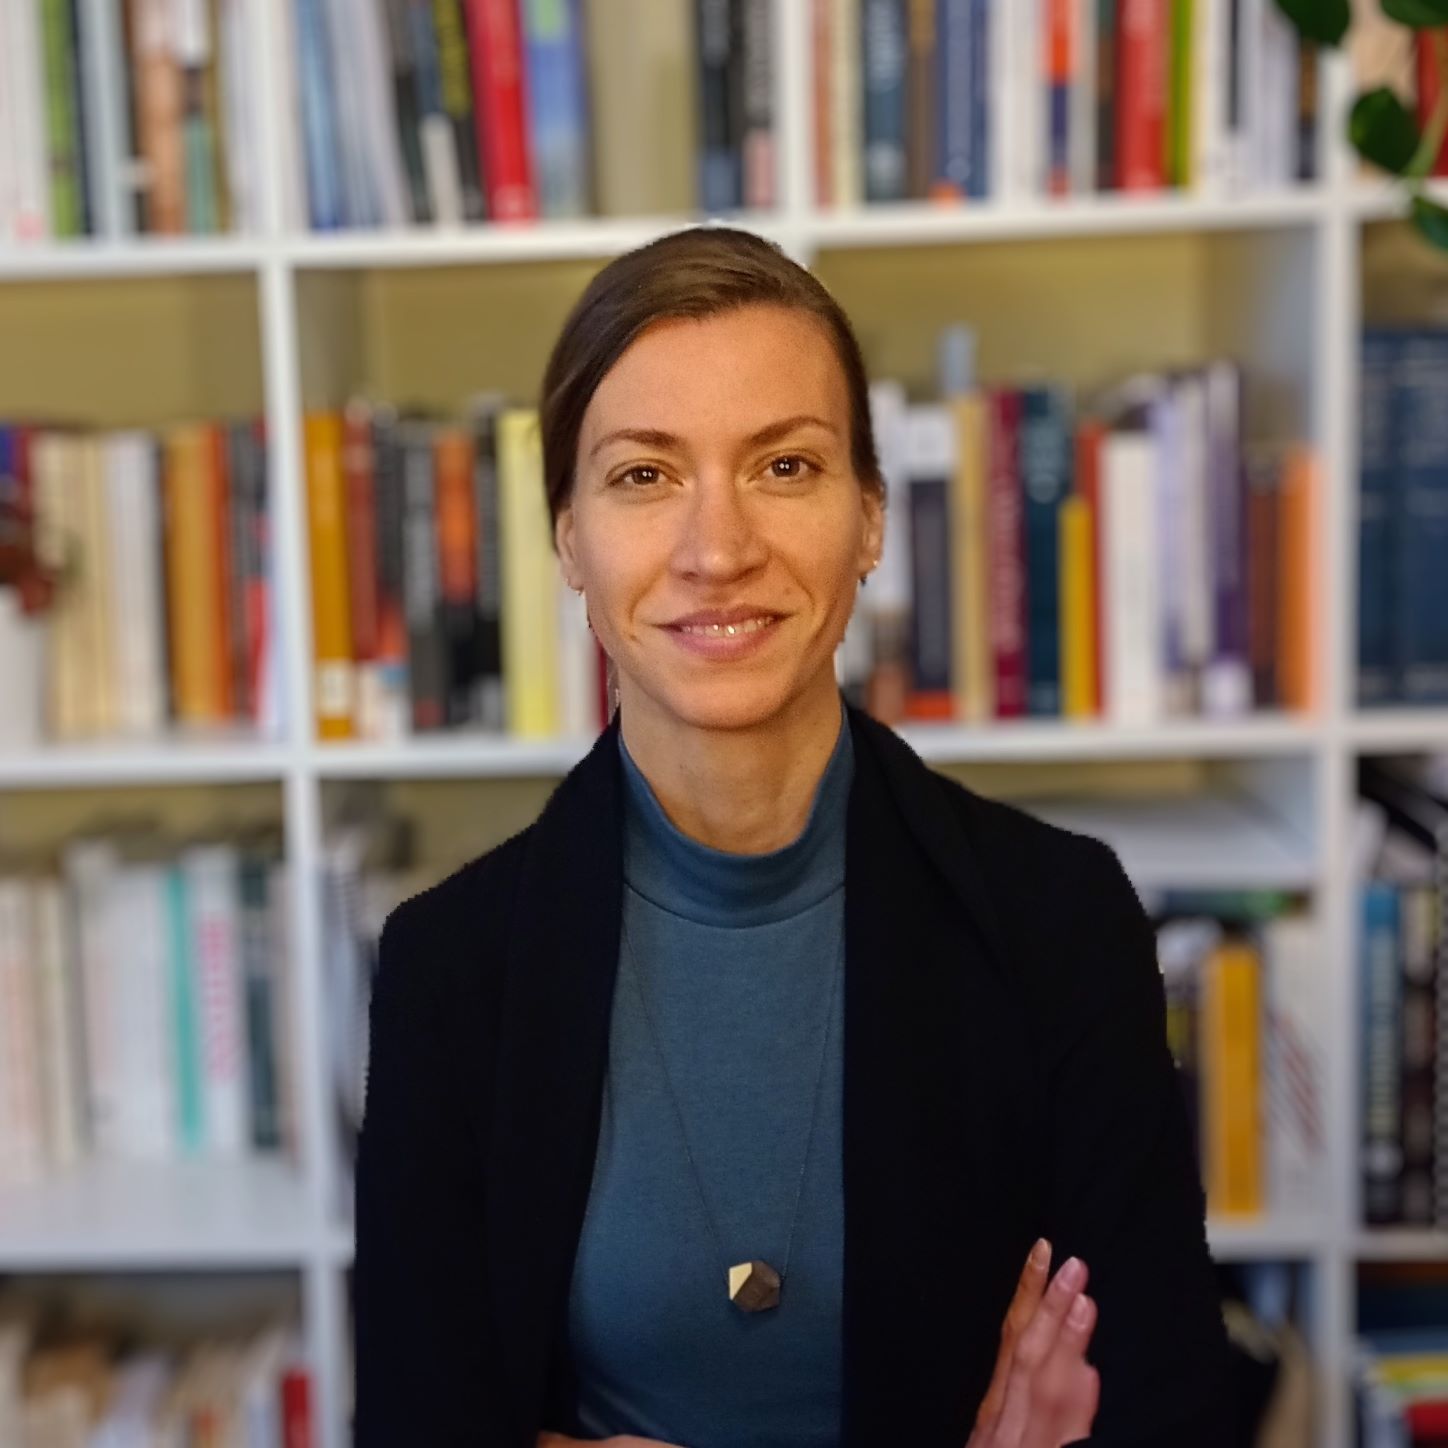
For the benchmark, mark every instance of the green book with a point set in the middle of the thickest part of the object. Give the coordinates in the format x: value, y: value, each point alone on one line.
x: 62, y: 121
x: 1179, y: 98
x: 185, y: 1027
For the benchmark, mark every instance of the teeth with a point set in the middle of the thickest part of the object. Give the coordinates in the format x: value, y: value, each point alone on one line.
x: 725, y: 630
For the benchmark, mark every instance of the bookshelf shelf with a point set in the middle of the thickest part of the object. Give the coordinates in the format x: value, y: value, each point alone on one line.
x: 146, y: 256
x: 227, y: 759
x: 249, y: 1214
x: 1409, y: 731
x: 1400, y: 1245
x: 1251, y: 1240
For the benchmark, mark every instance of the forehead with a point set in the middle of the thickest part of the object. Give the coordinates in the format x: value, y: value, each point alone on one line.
x: 736, y: 370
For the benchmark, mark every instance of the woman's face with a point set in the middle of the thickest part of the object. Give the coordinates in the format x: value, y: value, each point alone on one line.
x: 713, y: 477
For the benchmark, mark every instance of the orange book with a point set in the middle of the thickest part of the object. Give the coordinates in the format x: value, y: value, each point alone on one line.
x: 334, y: 669
x: 159, y: 104
x: 1231, y: 1058
x: 226, y: 626
x: 195, y: 575
x: 1297, y: 581
x: 1089, y: 439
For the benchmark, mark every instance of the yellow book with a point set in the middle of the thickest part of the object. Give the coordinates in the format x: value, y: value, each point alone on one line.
x: 971, y: 665
x: 1232, y: 1072
x: 334, y: 676
x: 93, y: 533
x: 54, y: 466
x: 195, y: 576
x: 1078, y: 609
x: 530, y: 580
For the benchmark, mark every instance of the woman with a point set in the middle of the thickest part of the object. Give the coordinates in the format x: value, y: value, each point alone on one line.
x: 748, y: 1095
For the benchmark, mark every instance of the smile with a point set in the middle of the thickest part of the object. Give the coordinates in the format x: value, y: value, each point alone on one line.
x: 726, y: 630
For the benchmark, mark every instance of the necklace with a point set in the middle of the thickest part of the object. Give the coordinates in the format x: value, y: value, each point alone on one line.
x: 754, y: 1286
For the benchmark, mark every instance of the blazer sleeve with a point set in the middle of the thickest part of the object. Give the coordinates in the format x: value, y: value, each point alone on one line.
x: 425, y: 1349
x: 1125, y: 1189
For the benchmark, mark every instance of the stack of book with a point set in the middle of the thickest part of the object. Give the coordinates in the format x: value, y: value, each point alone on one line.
x: 1401, y: 1355
x: 1131, y: 560
x: 1243, y: 976
x: 1134, y: 561
x: 65, y: 1383
x: 145, y: 1005
x: 474, y: 110
x: 1019, y: 99
x: 122, y: 117
x: 161, y: 545
x: 1403, y: 983
x: 1403, y: 517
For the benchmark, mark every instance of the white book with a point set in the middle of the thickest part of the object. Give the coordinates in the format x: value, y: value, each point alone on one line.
x: 380, y: 147
x: 847, y: 118
x: 440, y: 169
x: 284, y: 1008
x: 104, y: 66
x: 1083, y: 99
x: 59, y: 1033
x: 1281, y: 102
x: 1130, y: 579
x: 578, y: 666
x: 137, y: 612
x: 1175, y: 545
x: 260, y: 1389
x: 1212, y: 49
x: 9, y: 162
x: 1198, y: 607
x: 89, y: 868
x: 890, y: 590
x: 350, y: 100
x: 212, y: 885
x: 1296, y: 1084
x: 237, y: 87
x: 22, y: 73
x: 1001, y: 95
x: 143, y: 1028
x: 22, y: 1117
x: 1024, y: 100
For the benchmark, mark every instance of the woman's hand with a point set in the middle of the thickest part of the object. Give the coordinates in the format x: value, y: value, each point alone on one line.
x: 1043, y: 1392
x: 561, y: 1440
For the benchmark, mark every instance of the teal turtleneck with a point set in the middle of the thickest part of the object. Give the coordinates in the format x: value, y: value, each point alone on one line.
x: 738, y: 957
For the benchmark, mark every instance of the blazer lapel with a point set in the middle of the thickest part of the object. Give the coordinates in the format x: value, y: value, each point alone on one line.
x: 938, y: 1098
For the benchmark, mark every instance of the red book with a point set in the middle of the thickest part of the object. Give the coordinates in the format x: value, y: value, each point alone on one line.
x: 1088, y: 484
x: 1143, y: 50
x: 226, y: 626
x: 500, y: 103
x: 358, y: 481
x: 296, y: 1394
x: 1006, y: 512
x: 1428, y: 95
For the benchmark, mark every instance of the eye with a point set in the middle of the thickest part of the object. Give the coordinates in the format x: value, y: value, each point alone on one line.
x: 799, y: 462
x: 639, y: 471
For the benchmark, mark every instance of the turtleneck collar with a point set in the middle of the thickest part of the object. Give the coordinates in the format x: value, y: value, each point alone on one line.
x: 715, y: 887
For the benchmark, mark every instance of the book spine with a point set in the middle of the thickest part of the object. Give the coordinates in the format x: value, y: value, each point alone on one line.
x: 1141, y: 99
x: 159, y: 117
x: 1090, y: 438
x: 921, y: 108
x: 103, y: 63
x: 459, y: 100
x: 22, y: 75
x: 1263, y: 602
x: 1131, y: 579
x: 407, y: 106
x: 359, y: 482
x: 1060, y: 79
x: 1008, y: 578
x: 182, y: 973
x: 60, y: 1059
x: 885, y: 60
x: 971, y: 666
x: 240, y: 539
x: 500, y: 87
x: 1308, y: 105
x: 757, y: 148
x: 954, y: 101
x: 62, y: 119
x: 1181, y: 86
x: 1297, y: 551
x: 888, y: 597
x: 22, y: 1120
x: 148, y: 1107
x: 1382, y: 1152
x: 259, y: 987
x: 846, y: 91
x: 334, y: 682
x: 457, y: 546
x: 1232, y: 1014
x: 824, y: 17
x: 721, y: 182
x: 319, y: 128
x: 984, y: 120
x: 395, y: 706
x: 1078, y: 578
x: 1045, y: 469
x: 557, y: 106
x: 1376, y: 682
x: 1417, y: 1083
x: 1226, y: 685
x: 1213, y: 61
x: 194, y: 54
x: 931, y: 460
x: 427, y: 668
x: 1420, y: 517
x: 90, y: 869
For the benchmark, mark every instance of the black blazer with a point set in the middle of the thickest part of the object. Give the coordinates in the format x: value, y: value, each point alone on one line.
x: 1006, y: 1076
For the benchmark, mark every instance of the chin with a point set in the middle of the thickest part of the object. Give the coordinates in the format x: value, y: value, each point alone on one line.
x: 738, y: 702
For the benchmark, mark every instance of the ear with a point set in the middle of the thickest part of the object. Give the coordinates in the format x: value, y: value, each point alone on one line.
x: 872, y: 540
x: 563, y: 541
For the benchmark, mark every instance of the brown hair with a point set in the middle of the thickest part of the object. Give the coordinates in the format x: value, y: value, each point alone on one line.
x: 697, y: 272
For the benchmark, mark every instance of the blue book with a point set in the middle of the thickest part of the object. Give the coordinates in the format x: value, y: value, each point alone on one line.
x: 981, y: 122
x: 955, y: 109
x: 319, y: 130
x: 9, y: 484
x: 721, y: 104
x: 1375, y: 608
x: 1381, y: 1015
x: 930, y: 459
x: 1045, y: 472
x: 1420, y: 516
x: 557, y: 105
x: 885, y: 62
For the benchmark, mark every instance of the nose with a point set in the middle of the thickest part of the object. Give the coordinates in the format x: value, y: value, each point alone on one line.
x: 718, y: 539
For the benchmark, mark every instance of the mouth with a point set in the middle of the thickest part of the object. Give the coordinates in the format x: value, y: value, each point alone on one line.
x: 727, y: 630
x: 737, y: 639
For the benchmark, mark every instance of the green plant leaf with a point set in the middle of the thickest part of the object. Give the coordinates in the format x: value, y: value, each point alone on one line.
x: 1419, y: 14
x: 1432, y: 220
x: 1324, y: 21
x: 1383, y: 130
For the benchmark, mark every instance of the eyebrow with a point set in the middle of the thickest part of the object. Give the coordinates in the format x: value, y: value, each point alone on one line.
x: 656, y: 437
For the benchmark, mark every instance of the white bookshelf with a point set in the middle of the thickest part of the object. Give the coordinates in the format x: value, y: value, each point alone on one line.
x: 1276, y: 276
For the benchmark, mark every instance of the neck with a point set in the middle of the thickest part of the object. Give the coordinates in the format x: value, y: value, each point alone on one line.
x: 746, y: 791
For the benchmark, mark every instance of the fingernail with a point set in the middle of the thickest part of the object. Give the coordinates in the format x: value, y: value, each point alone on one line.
x: 1040, y: 1253
x: 1072, y: 1273
x: 1080, y: 1311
